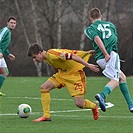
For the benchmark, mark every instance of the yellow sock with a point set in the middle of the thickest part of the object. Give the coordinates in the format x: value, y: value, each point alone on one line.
x: 45, y: 98
x: 88, y: 104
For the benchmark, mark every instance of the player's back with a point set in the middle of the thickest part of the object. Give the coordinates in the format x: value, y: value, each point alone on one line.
x: 54, y: 59
x: 107, y: 33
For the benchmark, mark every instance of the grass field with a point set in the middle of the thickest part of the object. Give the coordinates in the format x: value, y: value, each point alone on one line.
x: 66, y: 117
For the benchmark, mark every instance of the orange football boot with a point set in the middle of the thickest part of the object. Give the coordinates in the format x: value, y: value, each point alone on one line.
x: 41, y: 119
x: 95, y: 113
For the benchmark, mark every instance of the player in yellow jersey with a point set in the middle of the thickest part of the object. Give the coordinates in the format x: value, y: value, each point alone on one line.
x: 68, y: 65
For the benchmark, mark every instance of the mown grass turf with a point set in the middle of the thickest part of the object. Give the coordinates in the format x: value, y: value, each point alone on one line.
x: 66, y: 117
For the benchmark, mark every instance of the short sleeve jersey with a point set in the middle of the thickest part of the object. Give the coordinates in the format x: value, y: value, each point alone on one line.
x: 53, y: 58
x: 107, y: 33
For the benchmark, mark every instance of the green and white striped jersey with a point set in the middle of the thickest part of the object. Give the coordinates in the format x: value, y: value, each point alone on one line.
x: 5, y: 37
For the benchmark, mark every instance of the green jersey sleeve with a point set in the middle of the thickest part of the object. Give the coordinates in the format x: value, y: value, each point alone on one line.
x: 5, y: 37
x: 90, y: 33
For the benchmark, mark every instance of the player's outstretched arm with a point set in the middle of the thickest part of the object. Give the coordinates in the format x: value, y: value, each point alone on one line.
x: 69, y: 56
x: 92, y: 67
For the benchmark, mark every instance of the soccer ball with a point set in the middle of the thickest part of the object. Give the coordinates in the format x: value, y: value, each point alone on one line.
x: 24, y: 110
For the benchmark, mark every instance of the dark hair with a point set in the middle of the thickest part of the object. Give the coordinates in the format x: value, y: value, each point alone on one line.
x: 11, y: 17
x: 94, y: 13
x: 34, y: 49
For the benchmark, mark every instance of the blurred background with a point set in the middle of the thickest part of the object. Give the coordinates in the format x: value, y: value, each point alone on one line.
x: 61, y: 24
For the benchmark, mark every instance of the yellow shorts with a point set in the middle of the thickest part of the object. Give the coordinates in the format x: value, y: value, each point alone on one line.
x: 75, y: 82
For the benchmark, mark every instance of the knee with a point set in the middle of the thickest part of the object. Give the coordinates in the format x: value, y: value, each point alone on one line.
x: 4, y: 75
x: 79, y: 104
x: 5, y: 72
x: 122, y: 77
x: 44, y: 89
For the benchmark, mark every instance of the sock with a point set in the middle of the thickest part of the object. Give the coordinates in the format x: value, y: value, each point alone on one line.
x: 7, y: 71
x: 45, y: 98
x: 2, y: 79
x: 106, y: 91
x: 88, y: 104
x: 126, y: 94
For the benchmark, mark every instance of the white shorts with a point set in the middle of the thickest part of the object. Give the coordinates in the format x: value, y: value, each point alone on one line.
x: 111, y: 69
x: 3, y: 63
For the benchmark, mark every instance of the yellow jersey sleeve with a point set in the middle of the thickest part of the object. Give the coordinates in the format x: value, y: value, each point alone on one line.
x: 53, y: 58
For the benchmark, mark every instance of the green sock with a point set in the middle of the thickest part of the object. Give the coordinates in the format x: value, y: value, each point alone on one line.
x: 7, y: 71
x: 106, y: 91
x: 125, y: 92
x: 2, y: 79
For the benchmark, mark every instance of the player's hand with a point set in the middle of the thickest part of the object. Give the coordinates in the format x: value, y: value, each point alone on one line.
x: 11, y: 57
x: 94, y: 68
x: 1, y: 55
x: 91, y: 52
x: 107, y: 57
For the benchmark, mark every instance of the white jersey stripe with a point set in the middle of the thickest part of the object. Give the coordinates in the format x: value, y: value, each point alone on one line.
x: 3, y: 32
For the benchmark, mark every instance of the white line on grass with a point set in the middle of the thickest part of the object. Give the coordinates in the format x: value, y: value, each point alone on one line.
x: 117, y: 117
x: 108, y: 105
x: 35, y: 98
x: 55, y: 113
x: 74, y: 116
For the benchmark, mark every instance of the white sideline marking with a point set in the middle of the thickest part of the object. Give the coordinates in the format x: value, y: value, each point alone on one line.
x: 117, y: 117
x: 55, y: 113
x: 35, y: 98
x: 108, y: 105
x: 74, y: 116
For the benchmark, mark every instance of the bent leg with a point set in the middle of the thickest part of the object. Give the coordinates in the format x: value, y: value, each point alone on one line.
x: 45, y: 97
x: 2, y: 79
x: 84, y: 103
x: 110, y: 86
x: 87, y: 104
x: 124, y: 89
x: 45, y: 89
x: 105, y: 92
x: 3, y: 75
x: 3, y: 71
